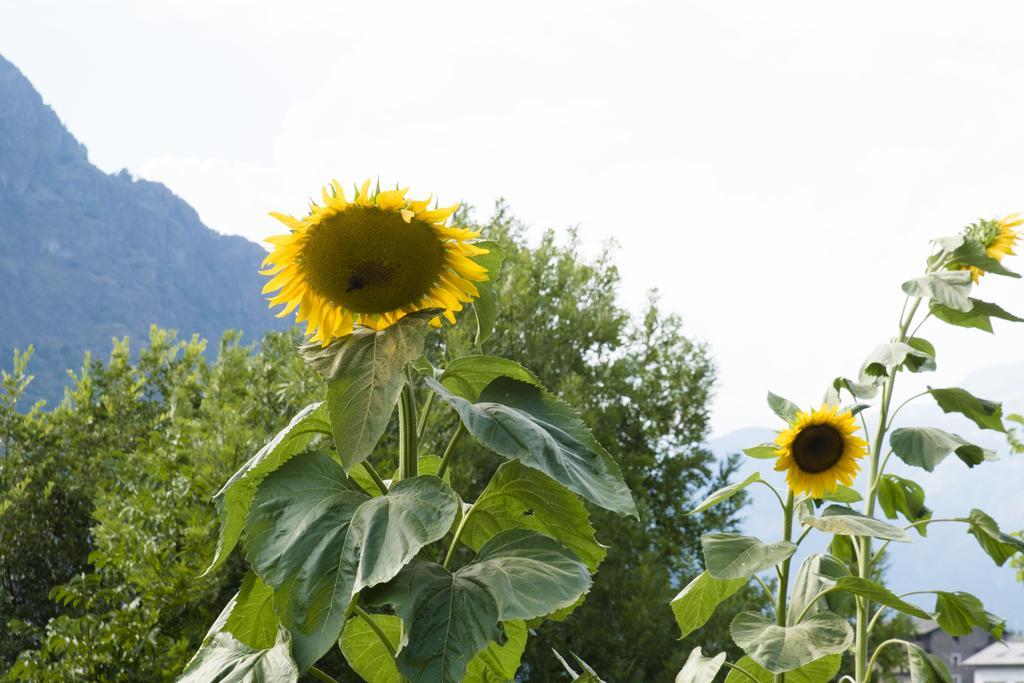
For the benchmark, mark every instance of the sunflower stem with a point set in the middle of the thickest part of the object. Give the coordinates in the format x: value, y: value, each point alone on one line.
x: 372, y: 623
x: 781, y: 603
x: 447, y: 457
x: 408, y: 448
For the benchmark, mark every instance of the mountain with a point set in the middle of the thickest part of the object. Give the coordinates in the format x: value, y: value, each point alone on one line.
x: 86, y: 257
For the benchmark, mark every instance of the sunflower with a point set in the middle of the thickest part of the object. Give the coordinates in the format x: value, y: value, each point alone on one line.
x: 998, y: 236
x: 819, y: 451
x: 370, y: 261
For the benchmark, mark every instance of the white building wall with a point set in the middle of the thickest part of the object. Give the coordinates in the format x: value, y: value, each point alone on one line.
x: 998, y: 674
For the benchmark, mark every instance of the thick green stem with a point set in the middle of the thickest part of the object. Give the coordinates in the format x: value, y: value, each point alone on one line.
x: 782, y: 603
x: 447, y: 457
x: 732, y: 666
x: 408, y: 448
x: 373, y: 474
x: 372, y: 623
x: 320, y: 675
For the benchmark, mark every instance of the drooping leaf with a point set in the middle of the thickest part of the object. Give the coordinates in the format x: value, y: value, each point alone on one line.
x: 449, y: 619
x: 695, y: 604
x: 926, y: 447
x: 252, y: 620
x: 899, y: 496
x: 958, y: 613
x: 518, y: 497
x: 888, y: 358
x: 235, y: 497
x: 365, y: 372
x: 484, y: 307
x: 223, y: 658
x: 818, y: 572
x: 784, y: 408
x: 985, y: 414
x: 973, y: 253
x: 725, y: 493
x: 818, y: 671
x: 470, y: 375
x: 949, y: 288
x: 700, y: 669
x: 529, y: 574
x: 366, y: 653
x: 924, y: 667
x: 876, y: 592
x: 783, y: 648
x: 499, y: 663
x: 858, y: 390
x: 733, y: 556
x: 980, y: 316
x: 998, y: 545
x: 836, y: 519
x: 523, y: 422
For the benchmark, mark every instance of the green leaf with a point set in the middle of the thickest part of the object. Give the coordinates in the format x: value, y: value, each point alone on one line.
x: 318, y: 540
x: 765, y: 451
x: 470, y: 375
x: 876, y: 592
x: 588, y: 675
x: 979, y: 317
x: 998, y: 545
x: 449, y: 619
x: 252, y: 620
x: 528, y: 574
x: 925, y: 668
x: 700, y: 669
x: 785, y: 409
x: 817, y: 573
x: 523, y: 422
x: 784, y: 648
x: 732, y: 556
x: 819, y: 670
x: 856, y: 389
x: 518, y: 497
x: 499, y: 663
x: 949, y: 288
x: 926, y: 447
x: 725, y: 493
x: 836, y: 519
x: 888, y: 358
x: 365, y: 372
x: 905, y: 497
x: 843, y: 494
x: 695, y: 604
x: 973, y: 253
x: 841, y: 547
x: 365, y: 652
x: 484, y: 307
x: 226, y: 659
x: 235, y: 497
x: 958, y: 613
x: 985, y: 414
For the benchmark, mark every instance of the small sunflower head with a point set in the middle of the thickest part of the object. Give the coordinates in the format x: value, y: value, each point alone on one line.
x: 997, y: 236
x: 819, y: 450
x: 370, y: 261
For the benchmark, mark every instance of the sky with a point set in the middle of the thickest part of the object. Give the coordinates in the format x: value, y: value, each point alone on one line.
x: 775, y: 170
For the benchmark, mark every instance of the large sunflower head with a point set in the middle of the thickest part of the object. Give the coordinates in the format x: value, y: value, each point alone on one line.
x: 998, y: 236
x: 819, y: 451
x: 370, y: 261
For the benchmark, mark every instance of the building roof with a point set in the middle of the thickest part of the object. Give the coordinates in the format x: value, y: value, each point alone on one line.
x: 1009, y: 652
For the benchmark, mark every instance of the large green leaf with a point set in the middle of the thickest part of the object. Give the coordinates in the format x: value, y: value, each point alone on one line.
x: 958, y: 613
x: 499, y: 663
x: 924, y: 667
x: 449, y: 619
x: 985, y: 414
x: 973, y: 253
x: 926, y: 447
x: 235, y: 497
x: 523, y: 422
x: 470, y: 375
x: 695, y: 604
x: 836, y: 519
x: 949, y: 288
x: 725, y: 493
x: 700, y: 669
x: 876, y: 592
x: 252, y: 620
x: 733, y: 556
x: 998, y: 545
x: 366, y: 653
x: 980, y: 316
x: 484, y: 307
x: 818, y: 573
x: 226, y: 660
x: 365, y: 372
x: 782, y: 407
x: 318, y: 539
x: 888, y: 358
x: 818, y: 671
x: 529, y: 574
x: 897, y: 495
x: 518, y: 497
x: 783, y: 648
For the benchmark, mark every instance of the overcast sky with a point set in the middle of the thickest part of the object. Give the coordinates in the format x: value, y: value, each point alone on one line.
x: 774, y: 169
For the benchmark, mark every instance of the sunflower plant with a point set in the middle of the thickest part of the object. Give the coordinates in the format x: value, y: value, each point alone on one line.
x: 835, y: 601
x: 410, y: 579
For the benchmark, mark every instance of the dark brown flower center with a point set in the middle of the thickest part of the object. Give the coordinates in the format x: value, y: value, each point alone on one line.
x: 817, y: 448
x: 371, y: 261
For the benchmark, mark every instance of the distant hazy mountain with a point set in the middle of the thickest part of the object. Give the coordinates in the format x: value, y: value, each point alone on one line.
x: 86, y: 256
